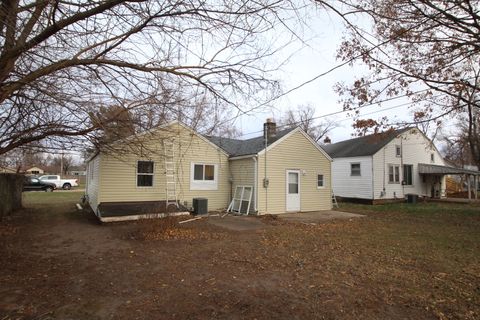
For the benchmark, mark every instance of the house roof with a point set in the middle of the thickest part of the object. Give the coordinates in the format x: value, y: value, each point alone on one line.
x: 237, y: 147
x: 362, y: 146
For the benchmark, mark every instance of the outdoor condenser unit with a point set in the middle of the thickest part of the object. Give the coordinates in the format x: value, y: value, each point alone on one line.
x: 200, y: 206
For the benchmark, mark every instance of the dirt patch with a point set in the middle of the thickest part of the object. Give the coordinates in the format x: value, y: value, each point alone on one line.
x: 58, y: 263
x: 318, y: 216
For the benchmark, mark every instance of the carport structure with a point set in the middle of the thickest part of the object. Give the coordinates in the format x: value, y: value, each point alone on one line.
x: 431, y: 170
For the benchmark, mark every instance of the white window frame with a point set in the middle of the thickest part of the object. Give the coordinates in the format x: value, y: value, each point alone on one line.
x: 398, y: 151
x: 145, y: 174
x: 323, y: 181
x: 203, y: 184
x: 394, y: 166
x: 359, y: 169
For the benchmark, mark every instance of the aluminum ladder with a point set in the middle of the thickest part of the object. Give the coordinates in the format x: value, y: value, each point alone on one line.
x: 334, y: 200
x: 170, y: 173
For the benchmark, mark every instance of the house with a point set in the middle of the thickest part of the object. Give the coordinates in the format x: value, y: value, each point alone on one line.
x: 7, y: 170
x: 389, y: 166
x: 34, y: 171
x: 172, y: 165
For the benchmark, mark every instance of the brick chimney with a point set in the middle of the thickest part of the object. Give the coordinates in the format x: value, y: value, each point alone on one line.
x: 327, y: 140
x: 269, y: 129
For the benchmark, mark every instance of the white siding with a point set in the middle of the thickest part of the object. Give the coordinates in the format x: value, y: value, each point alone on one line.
x: 93, y: 177
x: 348, y: 186
x: 416, y: 148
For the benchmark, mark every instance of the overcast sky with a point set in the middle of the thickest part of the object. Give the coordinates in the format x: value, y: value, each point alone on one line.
x: 311, y: 60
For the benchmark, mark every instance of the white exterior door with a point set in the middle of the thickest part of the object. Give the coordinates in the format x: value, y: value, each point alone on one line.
x: 293, y: 190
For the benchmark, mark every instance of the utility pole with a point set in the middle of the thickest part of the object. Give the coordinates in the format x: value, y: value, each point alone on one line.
x: 61, y: 164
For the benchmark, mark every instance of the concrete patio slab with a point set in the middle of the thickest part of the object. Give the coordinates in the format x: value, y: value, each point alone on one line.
x: 318, y: 216
x: 237, y: 223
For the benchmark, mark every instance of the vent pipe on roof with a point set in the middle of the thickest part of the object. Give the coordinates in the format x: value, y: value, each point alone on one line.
x: 269, y: 129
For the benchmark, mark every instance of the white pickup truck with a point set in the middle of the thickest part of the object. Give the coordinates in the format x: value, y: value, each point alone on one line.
x: 65, y: 184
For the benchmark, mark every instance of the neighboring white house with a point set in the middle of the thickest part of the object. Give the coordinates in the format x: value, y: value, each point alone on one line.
x: 389, y: 166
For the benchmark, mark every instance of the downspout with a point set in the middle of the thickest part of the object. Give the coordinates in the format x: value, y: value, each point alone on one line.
x: 401, y: 166
x: 373, y: 179
x: 265, y: 179
x: 255, y: 182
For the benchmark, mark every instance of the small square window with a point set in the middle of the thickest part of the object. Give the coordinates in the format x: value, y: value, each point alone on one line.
x: 398, y: 151
x: 320, y: 181
x: 355, y: 169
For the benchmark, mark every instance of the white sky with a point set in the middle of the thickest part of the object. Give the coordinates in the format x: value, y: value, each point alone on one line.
x: 315, y: 58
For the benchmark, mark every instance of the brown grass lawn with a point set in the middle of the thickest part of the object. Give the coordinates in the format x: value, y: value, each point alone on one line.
x: 399, y: 262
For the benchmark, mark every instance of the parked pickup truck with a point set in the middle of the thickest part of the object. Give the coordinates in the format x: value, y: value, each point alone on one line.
x: 65, y: 184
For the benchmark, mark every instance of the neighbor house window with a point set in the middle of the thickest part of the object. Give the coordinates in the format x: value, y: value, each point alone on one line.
x: 354, y: 169
x: 408, y: 174
x: 432, y: 157
x: 145, y: 173
x: 398, y: 151
x: 393, y: 173
x: 320, y: 181
x: 204, y: 176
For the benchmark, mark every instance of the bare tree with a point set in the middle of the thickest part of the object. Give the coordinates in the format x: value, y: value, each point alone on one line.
x: 304, y: 117
x: 425, y: 50
x: 60, y: 61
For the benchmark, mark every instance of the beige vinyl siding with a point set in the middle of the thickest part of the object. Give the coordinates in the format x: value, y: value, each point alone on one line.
x: 295, y: 152
x: 243, y: 174
x: 119, y: 172
x: 93, y: 177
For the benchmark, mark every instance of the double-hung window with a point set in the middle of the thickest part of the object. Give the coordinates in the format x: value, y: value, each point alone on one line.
x: 393, y: 173
x: 320, y: 181
x: 145, y: 173
x: 204, y: 176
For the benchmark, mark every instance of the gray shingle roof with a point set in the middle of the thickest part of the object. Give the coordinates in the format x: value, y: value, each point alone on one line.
x: 362, y: 146
x: 237, y: 147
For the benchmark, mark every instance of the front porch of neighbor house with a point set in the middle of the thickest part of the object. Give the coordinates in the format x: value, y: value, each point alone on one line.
x: 435, y: 173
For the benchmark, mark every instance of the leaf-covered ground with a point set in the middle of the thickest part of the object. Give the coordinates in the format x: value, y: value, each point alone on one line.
x: 400, y: 262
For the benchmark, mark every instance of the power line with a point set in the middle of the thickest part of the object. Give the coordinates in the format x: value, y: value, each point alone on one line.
x: 355, y: 109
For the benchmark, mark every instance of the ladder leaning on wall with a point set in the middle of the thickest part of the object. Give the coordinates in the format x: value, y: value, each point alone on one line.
x: 334, y: 200
x: 170, y: 173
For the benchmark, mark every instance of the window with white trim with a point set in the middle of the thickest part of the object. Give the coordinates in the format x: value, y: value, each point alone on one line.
x: 355, y: 169
x: 204, y: 176
x: 145, y: 172
x: 398, y: 151
x: 432, y: 157
x: 320, y: 181
x: 393, y: 173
